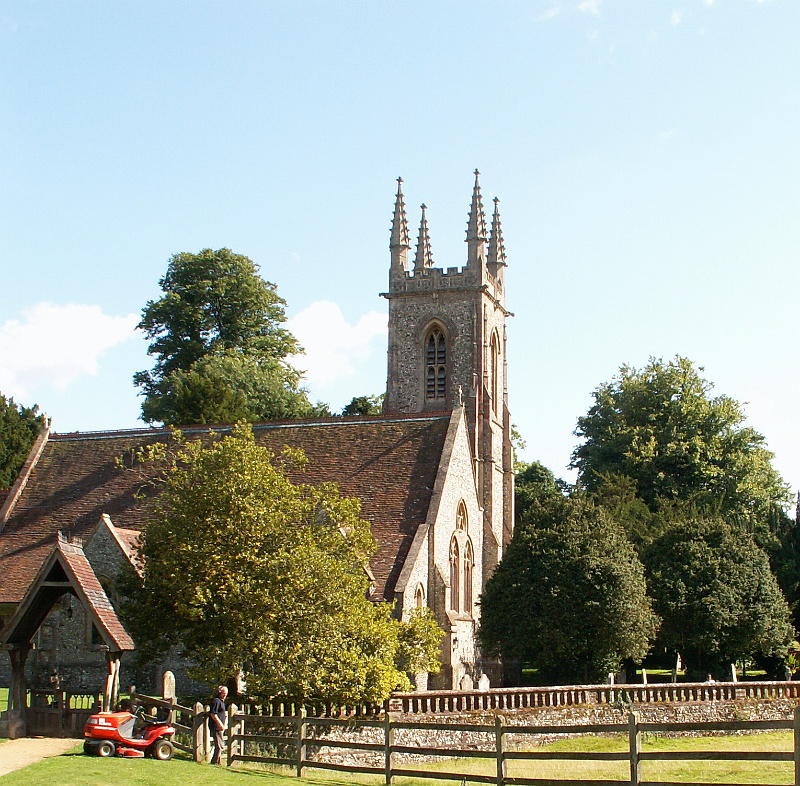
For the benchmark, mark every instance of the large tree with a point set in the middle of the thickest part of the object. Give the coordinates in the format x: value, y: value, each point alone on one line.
x: 718, y: 599
x: 221, y: 350
x: 246, y: 571
x: 19, y: 427
x: 661, y: 428
x: 569, y: 596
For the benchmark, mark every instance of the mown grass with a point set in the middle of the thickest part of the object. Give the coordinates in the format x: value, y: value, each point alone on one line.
x: 75, y: 769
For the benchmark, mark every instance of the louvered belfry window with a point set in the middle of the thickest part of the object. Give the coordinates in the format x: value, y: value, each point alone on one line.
x: 435, y: 365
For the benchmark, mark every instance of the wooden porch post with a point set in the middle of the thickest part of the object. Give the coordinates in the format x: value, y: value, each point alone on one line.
x: 111, y: 692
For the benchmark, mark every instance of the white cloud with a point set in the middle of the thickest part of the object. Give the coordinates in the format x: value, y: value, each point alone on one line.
x: 54, y: 345
x: 676, y: 18
x: 335, y: 350
x: 550, y: 13
x: 590, y: 7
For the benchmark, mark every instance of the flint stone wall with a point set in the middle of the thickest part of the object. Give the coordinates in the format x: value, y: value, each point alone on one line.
x: 690, y: 712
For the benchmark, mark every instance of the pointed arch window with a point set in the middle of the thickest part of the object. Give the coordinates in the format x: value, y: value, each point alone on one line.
x: 461, y: 517
x: 469, y: 561
x: 494, y: 371
x: 419, y: 597
x: 435, y: 365
x: 454, y: 575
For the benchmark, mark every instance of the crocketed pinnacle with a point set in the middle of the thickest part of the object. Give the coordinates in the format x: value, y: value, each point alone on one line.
x: 424, y: 257
x: 400, y: 236
x: 476, y: 224
x: 496, y: 254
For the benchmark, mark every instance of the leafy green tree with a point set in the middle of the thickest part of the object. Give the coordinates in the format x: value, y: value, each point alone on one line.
x: 420, y: 643
x: 220, y: 346
x: 569, y: 595
x: 533, y: 483
x: 19, y: 427
x: 228, y: 387
x: 364, y: 405
x: 717, y: 597
x: 661, y: 428
x: 246, y: 571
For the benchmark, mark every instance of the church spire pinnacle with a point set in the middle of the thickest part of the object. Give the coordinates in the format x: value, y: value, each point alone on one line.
x: 496, y: 255
x: 399, y: 240
x: 424, y: 257
x: 476, y: 226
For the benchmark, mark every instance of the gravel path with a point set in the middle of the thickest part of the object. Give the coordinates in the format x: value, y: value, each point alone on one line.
x: 16, y: 754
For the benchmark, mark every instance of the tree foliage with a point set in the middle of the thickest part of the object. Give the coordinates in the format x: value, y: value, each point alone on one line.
x: 534, y: 483
x: 569, y: 596
x: 221, y: 350
x: 246, y: 571
x: 364, y: 405
x: 718, y: 599
x: 661, y: 428
x: 19, y: 427
x: 420, y: 643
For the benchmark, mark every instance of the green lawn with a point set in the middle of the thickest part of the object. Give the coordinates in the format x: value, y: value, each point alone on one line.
x: 75, y: 769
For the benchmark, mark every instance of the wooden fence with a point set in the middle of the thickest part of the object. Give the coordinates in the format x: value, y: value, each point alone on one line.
x: 191, y: 731
x: 288, y: 741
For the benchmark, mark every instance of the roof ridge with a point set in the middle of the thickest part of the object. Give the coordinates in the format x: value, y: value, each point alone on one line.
x: 80, y: 436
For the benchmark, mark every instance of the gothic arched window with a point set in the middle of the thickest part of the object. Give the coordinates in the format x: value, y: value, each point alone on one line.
x: 494, y: 370
x: 469, y: 561
x: 419, y: 597
x: 461, y: 517
x: 454, y: 577
x: 435, y: 365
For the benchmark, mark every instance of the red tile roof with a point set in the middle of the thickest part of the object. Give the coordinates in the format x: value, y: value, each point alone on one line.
x: 388, y: 462
x: 66, y: 566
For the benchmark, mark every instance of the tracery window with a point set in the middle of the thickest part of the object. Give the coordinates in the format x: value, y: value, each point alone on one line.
x: 468, y: 563
x: 454, y: 574
x: 435, y: 365
x: 461, y: 517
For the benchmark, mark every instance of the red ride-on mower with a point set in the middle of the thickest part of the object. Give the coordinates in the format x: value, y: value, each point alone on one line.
x: 113, y: 734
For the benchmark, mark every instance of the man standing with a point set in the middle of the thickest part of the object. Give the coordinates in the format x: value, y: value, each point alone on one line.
x: 217, y: 722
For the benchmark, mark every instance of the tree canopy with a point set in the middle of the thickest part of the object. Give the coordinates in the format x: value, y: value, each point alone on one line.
x: 221, y: 350
x: 364, y: 405
x: 247, y: 571
x: 661, y: 428
x: 717, y: 597
x: 569, y: 596
x: 19, y: 427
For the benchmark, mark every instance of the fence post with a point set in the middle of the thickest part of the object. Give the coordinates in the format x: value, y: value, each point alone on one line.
x: 388, y: 743
x: 198, y: 722
x: 797, y: 746
x: 499, y: 742
x: 635, y: 743
x: 233, y: 730
x: 301, y: 746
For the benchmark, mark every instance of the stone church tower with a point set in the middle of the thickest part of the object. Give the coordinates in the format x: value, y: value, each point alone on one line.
x: 447, y: 348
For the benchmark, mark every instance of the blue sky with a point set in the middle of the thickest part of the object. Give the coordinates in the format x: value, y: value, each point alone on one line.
x: 645, y: 155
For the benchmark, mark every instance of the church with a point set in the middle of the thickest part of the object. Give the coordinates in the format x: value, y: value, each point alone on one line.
x: 433, y: 473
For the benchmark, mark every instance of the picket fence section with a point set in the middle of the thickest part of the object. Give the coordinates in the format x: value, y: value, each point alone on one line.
x: 570, y: 695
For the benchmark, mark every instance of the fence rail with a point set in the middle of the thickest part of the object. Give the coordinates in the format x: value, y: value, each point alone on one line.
x: 299, y: 741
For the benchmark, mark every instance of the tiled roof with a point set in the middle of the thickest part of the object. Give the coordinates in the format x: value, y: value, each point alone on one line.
x: 106, y: 619
x: 389, y: 463
x: 66, y: 565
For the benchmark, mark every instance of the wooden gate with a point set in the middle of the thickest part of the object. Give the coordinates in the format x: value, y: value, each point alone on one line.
x: 60, y: 713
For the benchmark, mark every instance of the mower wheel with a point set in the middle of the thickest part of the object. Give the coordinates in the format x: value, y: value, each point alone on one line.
x: 106, y: 749
x: 162, y: 750
x: 88, y: 749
